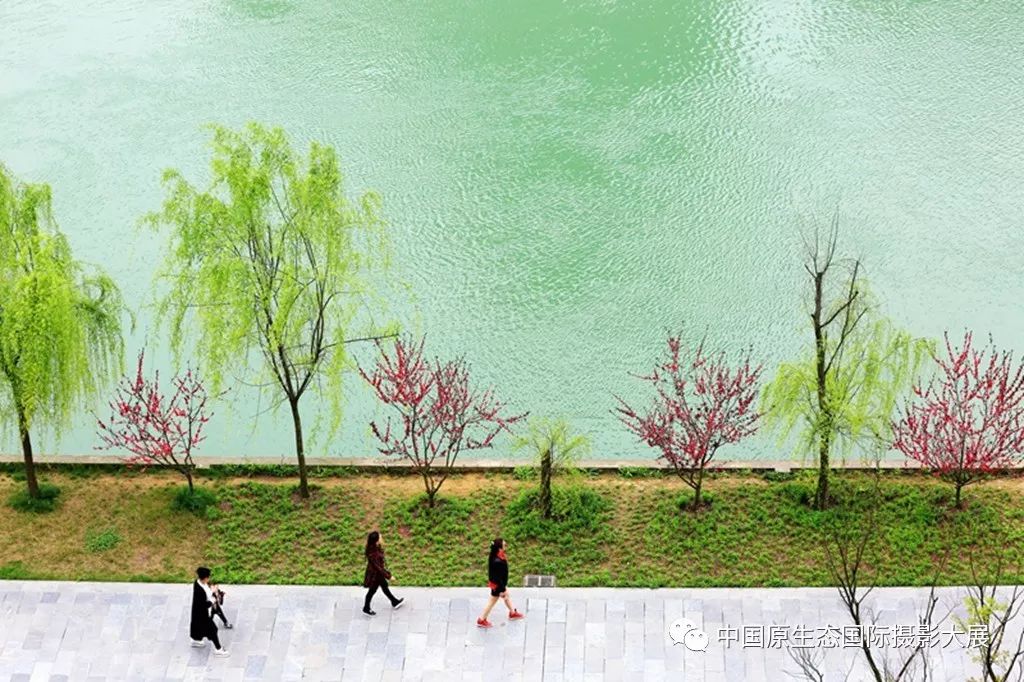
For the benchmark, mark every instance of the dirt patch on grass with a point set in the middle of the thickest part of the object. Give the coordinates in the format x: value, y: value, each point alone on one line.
x: 1013, y: 484
x: 141, y: 562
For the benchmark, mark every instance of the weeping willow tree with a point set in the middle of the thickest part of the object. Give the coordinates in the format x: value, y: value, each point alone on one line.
x: 843, y: 390
x: 273, y: 261
x: 60, y: 322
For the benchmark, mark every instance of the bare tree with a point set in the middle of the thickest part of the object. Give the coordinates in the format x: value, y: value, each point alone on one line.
x: 810, y: 662
x: 846, y: 554
x: 838, y: 318
x: 994, y: 618
x: 997, y: 615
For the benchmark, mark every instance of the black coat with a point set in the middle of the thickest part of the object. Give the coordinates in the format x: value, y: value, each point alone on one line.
x: 201, y: 624
x: 497, y: 572
x: 376, y: 569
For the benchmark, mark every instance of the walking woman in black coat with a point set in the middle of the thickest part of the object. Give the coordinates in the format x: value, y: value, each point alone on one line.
x: 377, y: 574
x: 201, y: 625
x: 497, y: 581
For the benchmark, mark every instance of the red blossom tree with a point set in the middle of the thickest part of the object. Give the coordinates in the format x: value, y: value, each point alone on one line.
x: 439, y: 414
x: 155, y: 430
x: 702, y: 403
x: 970, y: 419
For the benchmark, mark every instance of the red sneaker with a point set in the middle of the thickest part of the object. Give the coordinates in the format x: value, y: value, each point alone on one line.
x: 515, y: 615
x: 481, y: 623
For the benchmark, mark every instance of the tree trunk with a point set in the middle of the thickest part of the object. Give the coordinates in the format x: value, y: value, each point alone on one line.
x: 821, y: 494
x: 696, y: 490
x: 958, y: 503
x: 545, y: 484
x: 26, y: 450
x: 871, y: 661
x: 300, y: 452
x: 824, y: 414
x: 188, y: 475
x: 431, y: 494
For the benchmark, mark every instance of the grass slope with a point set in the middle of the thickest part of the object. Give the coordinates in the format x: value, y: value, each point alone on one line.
x: 613, y: 530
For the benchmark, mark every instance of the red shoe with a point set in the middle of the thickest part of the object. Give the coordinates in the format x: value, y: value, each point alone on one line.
x: 481, y: 623
x: 515, y: 615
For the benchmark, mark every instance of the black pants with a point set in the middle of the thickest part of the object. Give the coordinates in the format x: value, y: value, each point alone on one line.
x: 219, y: 612
x: 211, y: 633
x: 373, y: 590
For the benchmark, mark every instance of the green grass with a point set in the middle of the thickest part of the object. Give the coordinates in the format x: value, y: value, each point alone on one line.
x: 607, y: 529
x: 525, y: 473
x: 47, y: 500
x: 767, y: 535
x: 614, y: 532
x: 198, y: 501
x: 640, y: 472
x: 101, y: 541
x: 14, y: 570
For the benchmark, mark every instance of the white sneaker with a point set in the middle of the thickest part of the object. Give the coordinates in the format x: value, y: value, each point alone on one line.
x: 198, y: 643
x: 221, y: 652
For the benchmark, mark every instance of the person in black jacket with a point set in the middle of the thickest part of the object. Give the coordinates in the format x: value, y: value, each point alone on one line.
x: 497, y: 580
x: 377, y: 574
x: 217, y: 609
x: 202, y: 626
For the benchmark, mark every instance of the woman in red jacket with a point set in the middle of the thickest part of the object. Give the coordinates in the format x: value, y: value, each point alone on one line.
x: 377, y: 574
x: 497, y: 580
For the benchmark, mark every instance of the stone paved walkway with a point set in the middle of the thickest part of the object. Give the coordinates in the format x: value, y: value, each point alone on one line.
x: 94, y: 631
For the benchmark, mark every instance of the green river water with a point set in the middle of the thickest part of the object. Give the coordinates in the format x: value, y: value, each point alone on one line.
x: 564, y: 180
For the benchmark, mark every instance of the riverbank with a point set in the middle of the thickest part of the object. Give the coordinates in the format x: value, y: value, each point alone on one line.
x: 481, y: 464
x: 615, y: 529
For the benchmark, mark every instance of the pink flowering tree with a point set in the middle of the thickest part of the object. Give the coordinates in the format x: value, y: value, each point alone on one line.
x: 969, y: 420
x: 439, y: 414
x: 701, y: 403
x: 154, y: 428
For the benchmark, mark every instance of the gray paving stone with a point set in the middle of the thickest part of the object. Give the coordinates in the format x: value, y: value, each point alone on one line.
x: 556, y: 611
x: 254, y: 666
x: 33, y: 641
x: 554, y: 635
x: 593, y: 660
x: 573, y: 670
x: 575, y: 648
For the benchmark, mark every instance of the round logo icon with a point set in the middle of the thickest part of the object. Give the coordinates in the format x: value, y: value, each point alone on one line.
x: 684, y: 631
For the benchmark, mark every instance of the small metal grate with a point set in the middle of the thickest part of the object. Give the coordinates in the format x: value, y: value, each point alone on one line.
x: 539, y: 581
